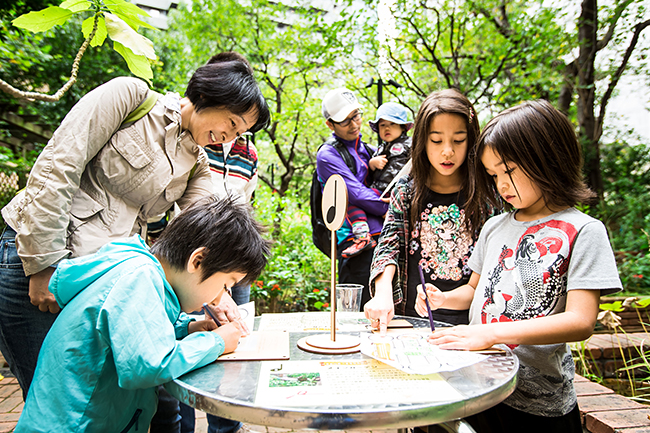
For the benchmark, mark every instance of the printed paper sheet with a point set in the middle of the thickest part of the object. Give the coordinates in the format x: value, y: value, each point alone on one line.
x: 411, y: 353
x: 346, y: 382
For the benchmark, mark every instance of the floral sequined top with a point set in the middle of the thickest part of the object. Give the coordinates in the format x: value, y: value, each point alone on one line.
x: 438, y: 243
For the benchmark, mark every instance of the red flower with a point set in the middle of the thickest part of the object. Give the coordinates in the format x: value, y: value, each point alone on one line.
x: 275, y: 287
x: 316, y: 290
x: 260, y: 284
x: 326, y: 304
x: 639, y: 276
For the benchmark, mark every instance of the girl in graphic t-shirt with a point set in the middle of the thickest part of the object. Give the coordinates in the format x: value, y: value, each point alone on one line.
x: 537, y: 272
x: 429, y: 224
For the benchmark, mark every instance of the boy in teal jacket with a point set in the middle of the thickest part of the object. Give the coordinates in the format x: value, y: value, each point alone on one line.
x: 122, y: 330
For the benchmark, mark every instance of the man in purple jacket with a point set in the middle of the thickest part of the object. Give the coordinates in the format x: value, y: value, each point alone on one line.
x: 344, y: 117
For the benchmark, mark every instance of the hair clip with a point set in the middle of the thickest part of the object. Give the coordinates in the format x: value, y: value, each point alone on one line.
x: 471, y: 115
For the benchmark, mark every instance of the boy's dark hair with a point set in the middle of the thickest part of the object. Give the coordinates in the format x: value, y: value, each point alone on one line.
x: 449, y: 101
x: 542, y: 142
x: 228, y: 56
x: 228, y: 84
x: 231, y: 236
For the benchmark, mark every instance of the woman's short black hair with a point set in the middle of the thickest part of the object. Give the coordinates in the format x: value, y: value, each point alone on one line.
x: 231, y: 237
x: 230, y: 85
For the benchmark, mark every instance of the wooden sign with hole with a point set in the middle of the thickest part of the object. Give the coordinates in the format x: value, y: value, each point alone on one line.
x: 335, y: 202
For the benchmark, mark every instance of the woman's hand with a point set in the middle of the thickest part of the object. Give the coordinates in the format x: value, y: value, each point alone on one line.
x: 436, y: 299
x: 468, y: 337
x: 227, y: 311
x: 378, y: 162
x: 231, y: 333
x: 39, y: 294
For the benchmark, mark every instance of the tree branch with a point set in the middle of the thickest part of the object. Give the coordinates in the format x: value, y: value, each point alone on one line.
x: 617, y: 76
x: 569, y: 73
x: 500, y: 22
x: 432, y: 49
x: 612, y: 26
x: 16, y: 93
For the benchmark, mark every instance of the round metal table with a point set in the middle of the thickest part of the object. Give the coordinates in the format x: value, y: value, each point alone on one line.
x: 228, y: 389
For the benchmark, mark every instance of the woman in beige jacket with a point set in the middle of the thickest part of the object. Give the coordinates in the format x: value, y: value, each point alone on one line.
x: 99, y: 179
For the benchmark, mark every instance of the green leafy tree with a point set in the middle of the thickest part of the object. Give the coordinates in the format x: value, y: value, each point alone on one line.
x: 608, y: 41
x: 293, y: 53
x: 500, y: 52
x: 291, y: 49
x: 497, y: 53
x: 118, y: 20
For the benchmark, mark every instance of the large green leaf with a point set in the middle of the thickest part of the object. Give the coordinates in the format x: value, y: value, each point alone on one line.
x: 123, y: 7
x: 121, y: 32
x: 100, y: 34
x: 76, y: 5
x: 129, y: 12
x: 135, y: 22
x: 138, y: 64
x: 43, y: 20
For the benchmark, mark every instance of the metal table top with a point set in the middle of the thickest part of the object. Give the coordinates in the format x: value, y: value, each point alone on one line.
x: 228, y: 389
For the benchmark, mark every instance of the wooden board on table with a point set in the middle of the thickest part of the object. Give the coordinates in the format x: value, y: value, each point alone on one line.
x: 260, y: 346
x: 399, y: 323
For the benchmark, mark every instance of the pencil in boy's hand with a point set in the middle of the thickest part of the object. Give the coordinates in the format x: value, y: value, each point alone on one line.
x: 209, y: 312
x: 424, y: 289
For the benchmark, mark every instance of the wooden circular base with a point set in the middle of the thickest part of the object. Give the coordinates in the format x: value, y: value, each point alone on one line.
x: 322, y: 343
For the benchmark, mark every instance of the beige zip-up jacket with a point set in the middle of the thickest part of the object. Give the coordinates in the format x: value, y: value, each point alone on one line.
x: 94, y: 183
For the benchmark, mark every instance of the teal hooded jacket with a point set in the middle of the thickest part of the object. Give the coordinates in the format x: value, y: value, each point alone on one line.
x: 114, y: 341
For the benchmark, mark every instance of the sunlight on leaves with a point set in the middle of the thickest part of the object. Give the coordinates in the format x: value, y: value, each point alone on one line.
x: 614, y: 306
x: 100, y: 34
x: 121, y: 32
x: 43, y: 20
x: 76, y: 5
x: 139, y: 65
x: 642, y: 303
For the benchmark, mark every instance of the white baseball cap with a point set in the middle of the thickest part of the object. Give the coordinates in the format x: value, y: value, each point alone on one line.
x: 339, y: 103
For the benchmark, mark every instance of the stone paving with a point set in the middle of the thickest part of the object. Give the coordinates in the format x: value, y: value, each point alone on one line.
x: 11, y: 403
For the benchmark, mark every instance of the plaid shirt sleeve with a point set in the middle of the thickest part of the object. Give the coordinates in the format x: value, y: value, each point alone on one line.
x: 391, y: 249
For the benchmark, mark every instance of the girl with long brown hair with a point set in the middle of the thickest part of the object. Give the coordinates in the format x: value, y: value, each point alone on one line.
x: 429, y: 224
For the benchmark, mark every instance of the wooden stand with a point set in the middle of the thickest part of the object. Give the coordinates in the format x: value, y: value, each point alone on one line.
x: 335, y: 206
x: 320, y: 343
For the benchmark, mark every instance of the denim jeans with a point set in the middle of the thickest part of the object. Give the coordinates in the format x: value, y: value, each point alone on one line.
x: 241, y: 295
x: 23, y: 326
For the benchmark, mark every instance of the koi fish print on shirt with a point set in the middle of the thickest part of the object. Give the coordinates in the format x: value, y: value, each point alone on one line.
x: 538, y: 271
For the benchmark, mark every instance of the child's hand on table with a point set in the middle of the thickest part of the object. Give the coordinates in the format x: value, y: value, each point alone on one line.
x: 379, y: 310
x: 231, y: 332
x: 436, y: 299
x: 475, y: 337
x: 228, y: 311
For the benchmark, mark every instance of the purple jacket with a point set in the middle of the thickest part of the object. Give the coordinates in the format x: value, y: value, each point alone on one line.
x: 329, y: 162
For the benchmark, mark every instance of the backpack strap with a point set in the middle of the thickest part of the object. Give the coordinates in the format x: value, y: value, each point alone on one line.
x: 142, y: 109
x: 368, y: 149
x: 193, y: 171
x: 344, y: 152
x: 145, y: 107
